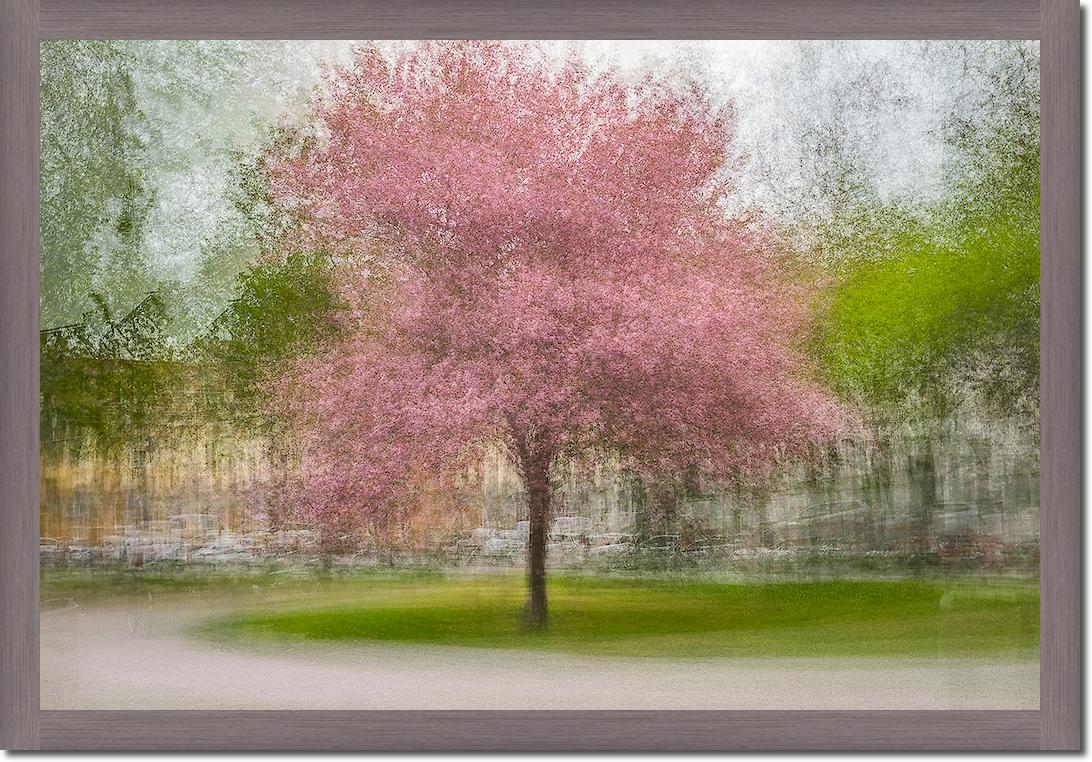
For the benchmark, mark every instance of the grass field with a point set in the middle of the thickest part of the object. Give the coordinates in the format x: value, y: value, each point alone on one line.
x: 676, y: 618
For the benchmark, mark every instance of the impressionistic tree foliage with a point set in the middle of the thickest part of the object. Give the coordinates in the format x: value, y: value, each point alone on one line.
x: 946, y: 307
x: 533, y: 257
x: 94, y: 201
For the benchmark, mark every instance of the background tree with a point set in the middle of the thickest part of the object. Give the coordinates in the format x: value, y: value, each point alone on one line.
x: 283, y: 308
x: 943, y: 306
x: 109, y: 380
x: 935, y: 306
x: 94, y: 200
x: 532, y: 256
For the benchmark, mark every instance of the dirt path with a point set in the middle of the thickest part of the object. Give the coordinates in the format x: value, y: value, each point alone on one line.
x: 139, y: 657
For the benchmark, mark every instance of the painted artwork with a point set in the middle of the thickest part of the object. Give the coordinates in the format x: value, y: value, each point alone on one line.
x: 540, y: 375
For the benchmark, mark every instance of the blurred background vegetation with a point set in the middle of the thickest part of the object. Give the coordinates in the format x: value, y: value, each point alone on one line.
x: 904, y: 177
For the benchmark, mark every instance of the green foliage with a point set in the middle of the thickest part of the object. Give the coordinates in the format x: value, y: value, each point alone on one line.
x: 107, y: 380
x: 285, y: 304
x: 93, y: 197
x: 913, y: 323
x: 933, y: 306
x: 116, y: 380
x: 284, y: 309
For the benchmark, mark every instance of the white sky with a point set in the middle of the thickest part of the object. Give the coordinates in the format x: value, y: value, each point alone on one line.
x: 886, y: 101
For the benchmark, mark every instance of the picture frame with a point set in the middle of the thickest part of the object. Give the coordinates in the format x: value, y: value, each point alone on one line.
x: 1055, y: 726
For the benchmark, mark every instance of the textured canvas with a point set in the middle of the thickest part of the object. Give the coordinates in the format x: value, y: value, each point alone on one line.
x: 556, y: 375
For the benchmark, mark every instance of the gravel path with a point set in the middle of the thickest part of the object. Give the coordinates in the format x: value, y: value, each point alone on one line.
x: 138, y: 657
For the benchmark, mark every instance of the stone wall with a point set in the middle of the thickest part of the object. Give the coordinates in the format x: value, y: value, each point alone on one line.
x: 992, y: 465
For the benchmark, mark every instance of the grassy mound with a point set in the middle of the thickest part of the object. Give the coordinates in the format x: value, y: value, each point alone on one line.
x: 675, y: 619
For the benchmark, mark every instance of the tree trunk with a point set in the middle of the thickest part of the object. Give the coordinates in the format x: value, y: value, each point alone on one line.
x: 925, y: 467
x: 538, y: 504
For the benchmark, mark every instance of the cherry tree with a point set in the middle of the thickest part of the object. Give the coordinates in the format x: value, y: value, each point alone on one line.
x: 532, y: 257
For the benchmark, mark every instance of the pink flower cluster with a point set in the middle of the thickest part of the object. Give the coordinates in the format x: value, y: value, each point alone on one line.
x: 535, y: 258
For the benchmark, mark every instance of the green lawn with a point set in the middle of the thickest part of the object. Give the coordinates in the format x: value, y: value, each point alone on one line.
x: 670, y: 618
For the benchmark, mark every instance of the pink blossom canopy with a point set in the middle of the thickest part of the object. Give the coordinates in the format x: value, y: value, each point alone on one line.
x: 534, y: 258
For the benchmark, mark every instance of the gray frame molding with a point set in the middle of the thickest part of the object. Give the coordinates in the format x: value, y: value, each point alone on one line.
x: 19, y: 374
x: 540, y: 731
x: 1057, y: 725
x: 532, y: 19
x: 1061, y: 367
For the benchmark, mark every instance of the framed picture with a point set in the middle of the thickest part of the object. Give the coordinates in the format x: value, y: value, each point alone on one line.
x: 516, y: 376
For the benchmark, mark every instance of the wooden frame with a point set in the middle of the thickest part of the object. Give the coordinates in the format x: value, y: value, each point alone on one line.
x: 1057, y: 725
